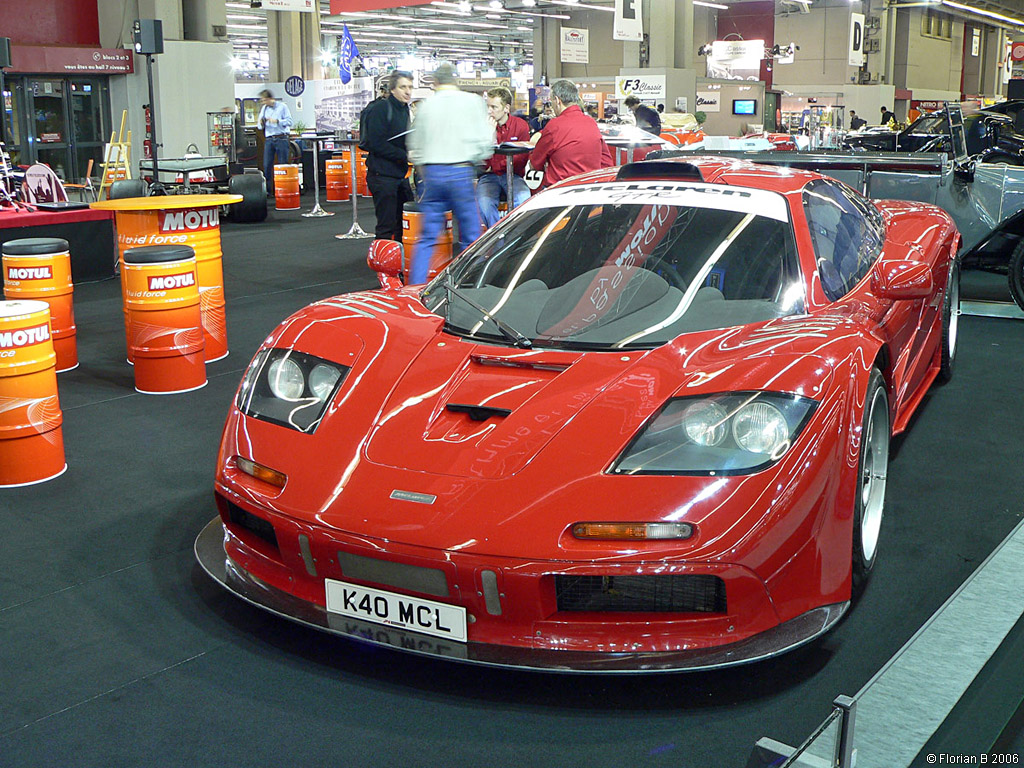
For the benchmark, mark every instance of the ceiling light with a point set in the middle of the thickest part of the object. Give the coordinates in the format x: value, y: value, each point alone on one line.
x: 529, y: 3
x: 719, y: 6
x: 495, y: 4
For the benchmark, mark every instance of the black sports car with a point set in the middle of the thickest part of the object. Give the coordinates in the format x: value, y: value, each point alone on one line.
x: 991, y: 137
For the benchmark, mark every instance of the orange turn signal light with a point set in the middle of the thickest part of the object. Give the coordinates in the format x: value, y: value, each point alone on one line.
x: 632, y: 531
x: 260, y: 472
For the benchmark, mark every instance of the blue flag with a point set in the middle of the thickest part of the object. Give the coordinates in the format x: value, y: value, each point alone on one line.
x: 346, y: 55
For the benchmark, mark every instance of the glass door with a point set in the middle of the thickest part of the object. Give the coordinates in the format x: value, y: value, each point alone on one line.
x: 49, y: 133
x: 89, y: 129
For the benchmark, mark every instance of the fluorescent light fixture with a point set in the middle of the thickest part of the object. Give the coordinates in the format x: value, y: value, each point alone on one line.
x: 719, y: 6
x: 982, y: 12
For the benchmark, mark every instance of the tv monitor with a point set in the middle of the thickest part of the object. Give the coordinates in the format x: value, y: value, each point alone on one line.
x: 744, y: 106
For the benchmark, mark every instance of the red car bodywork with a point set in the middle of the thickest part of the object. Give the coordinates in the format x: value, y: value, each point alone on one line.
x: 507, y: 493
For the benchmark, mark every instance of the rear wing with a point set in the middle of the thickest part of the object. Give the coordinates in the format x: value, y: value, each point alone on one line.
x: 870, y: 173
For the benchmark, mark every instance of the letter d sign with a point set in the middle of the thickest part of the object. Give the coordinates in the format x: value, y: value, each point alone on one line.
x: 856, y: 39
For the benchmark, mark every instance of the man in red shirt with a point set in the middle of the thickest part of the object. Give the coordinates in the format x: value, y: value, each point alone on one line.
x: 491, y: 184
x: 570, y: 143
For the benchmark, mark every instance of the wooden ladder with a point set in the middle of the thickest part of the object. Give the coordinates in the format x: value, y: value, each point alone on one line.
x: 117, y: 158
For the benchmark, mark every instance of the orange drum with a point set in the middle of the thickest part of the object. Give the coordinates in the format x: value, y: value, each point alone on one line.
x: 165, y: 336
x: 361, y: 185
x: 412, y: 223
x: 198, y: 228
x: 338, y: 181
x: 31, y: 440
x: 286, y: 187
x: 40, y: 268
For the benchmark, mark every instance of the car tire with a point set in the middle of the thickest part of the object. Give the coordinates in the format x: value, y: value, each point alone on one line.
x: 253, y: 189
x: 872, y: 468
x: 123, y: 188
x: 950, y: 323
x: 1016, y: 274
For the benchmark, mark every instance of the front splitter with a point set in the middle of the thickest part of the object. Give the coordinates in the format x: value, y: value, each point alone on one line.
x: 209, y: 549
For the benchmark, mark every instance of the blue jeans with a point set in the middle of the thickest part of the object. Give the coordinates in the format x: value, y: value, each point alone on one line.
x: 445, y: 188
x: 274, y: 146
x: 488, y: 190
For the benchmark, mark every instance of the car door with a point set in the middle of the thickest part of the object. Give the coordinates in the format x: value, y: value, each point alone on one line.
x: 849, y: 236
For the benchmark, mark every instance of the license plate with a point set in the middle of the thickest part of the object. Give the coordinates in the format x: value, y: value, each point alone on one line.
x: 414, y: 613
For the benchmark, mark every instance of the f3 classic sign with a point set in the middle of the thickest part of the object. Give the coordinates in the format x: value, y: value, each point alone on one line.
x: 641, y: 86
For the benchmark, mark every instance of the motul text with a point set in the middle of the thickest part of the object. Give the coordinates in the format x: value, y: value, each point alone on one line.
x: 175, y: 221
x: 166, y: 282
x: 23, y: 337
x: 30, y: 273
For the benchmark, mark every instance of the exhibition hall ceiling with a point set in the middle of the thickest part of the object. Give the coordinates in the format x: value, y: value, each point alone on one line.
x: 495, y: 30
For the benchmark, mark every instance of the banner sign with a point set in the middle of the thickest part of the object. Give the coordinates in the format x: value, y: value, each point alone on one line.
x: 628, y: 24
x: 55, y: 59
x: 856, y: 39
x: 735, y: 59
x: 575, y: 46
x: 306, y: 6
x: 642, y: 86
x: 708, y: 101
x: 338, y: 104
x: 347, y: 6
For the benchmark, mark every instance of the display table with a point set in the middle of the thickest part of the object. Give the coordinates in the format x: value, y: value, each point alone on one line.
x: 355, y: 231
x: 192, y: 220
x: 510, y: 150
x: 90, y: 236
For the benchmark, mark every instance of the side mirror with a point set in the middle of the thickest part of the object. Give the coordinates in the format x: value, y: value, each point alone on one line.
x: 898, y: 279
x: 385, y: 257
x: 964, y: 172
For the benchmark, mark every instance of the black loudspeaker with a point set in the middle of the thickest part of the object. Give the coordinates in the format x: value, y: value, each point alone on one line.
x: 5, y: 52
x: 1015, y: 88
x: 148, y: 35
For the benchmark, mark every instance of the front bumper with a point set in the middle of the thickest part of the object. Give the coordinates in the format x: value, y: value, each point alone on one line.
x: 211, y: 554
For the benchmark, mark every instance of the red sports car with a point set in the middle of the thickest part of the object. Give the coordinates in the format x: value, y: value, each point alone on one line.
x: 641, y: 424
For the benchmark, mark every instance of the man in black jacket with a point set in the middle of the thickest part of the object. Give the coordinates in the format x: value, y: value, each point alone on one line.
x: 386, y: 123
x: 646, y: 118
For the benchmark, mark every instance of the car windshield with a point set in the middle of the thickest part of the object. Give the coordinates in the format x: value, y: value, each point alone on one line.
x: 929, y: 124
x: 623, y: 265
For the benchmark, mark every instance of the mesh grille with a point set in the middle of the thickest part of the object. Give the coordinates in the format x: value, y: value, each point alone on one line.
x: 641, y: 594
x: 257, y: 526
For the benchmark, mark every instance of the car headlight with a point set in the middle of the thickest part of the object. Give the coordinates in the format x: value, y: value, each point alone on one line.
x: 731, y: 433
x: 289, y: 388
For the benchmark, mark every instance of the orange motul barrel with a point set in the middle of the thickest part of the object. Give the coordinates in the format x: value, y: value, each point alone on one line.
x: 412, y: 224
x: 286, y: 187
x: 338, y: 182
x: 165, y: 336
x: 31, y: 440
x: 40, y: 268
x: 198, y: 228
x: 361, y: 186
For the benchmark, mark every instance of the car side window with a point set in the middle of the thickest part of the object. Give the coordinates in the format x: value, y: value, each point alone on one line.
x: 847, y: 232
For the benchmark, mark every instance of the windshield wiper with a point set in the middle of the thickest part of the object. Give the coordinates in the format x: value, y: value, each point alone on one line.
x: 507, y: 330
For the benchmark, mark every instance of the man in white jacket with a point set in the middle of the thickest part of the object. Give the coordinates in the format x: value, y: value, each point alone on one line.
x: 450, y: 135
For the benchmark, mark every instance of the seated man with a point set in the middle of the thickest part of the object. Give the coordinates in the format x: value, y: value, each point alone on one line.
x: 493, y: 182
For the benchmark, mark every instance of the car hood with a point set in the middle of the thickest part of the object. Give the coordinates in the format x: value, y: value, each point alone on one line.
x: 451, y: 406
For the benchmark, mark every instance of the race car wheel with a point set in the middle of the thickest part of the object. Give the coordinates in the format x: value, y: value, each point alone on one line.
x: 1016, y: 276
x: 873, y: 466
x: 950, y: 324
x: 126, y: 188
x: 253, y: 190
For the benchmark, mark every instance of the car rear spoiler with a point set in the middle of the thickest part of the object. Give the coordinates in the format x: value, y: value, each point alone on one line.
x: 852, y: 168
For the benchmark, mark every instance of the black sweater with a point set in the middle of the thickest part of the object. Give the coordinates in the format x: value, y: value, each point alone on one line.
x: 386, y: 123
